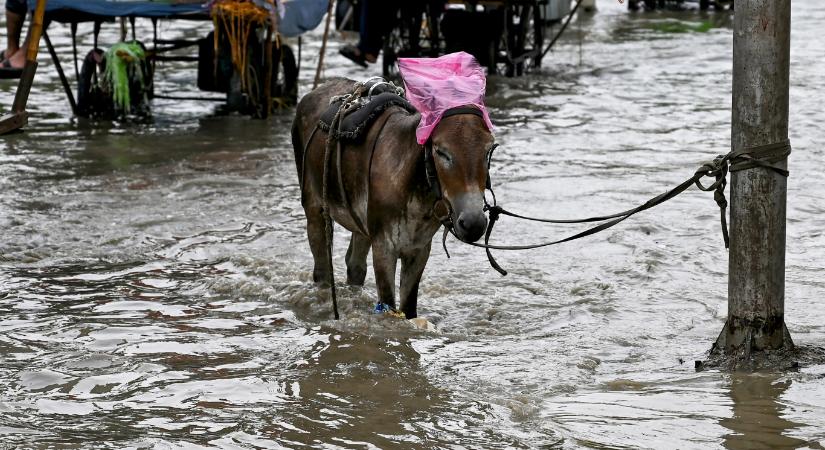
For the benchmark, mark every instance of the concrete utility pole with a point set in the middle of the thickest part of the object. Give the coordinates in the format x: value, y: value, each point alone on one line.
x: 756, y: 280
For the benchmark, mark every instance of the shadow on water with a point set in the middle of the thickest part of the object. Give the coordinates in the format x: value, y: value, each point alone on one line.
x: 758, y: 420
x: 344, y: 398
x: 345, y: 402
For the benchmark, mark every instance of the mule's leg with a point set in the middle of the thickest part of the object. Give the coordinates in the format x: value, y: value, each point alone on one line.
x: 359, y: 247
x: 384, y: 261
x: 412, y: 266
x: 316, y: 233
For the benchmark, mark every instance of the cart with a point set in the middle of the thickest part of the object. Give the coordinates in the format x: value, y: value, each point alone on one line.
x: 506, y: 36
x: 254, y: 78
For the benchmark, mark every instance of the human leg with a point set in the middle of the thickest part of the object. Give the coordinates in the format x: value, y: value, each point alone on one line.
x: 377, y: 19
x: 15, y: 15
x: 13, y: 58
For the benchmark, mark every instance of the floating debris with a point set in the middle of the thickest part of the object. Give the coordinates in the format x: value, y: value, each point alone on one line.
x: 683, y: 27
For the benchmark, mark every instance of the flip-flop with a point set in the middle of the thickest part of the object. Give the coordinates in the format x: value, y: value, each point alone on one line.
x: 351, y: 53
x: 3, y: 56
x: 7, y: 72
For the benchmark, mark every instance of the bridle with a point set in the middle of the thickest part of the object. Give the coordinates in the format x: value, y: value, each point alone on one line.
x: 442, y: 208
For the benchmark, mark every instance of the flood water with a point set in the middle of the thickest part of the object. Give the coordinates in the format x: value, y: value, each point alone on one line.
x: 155, y: 280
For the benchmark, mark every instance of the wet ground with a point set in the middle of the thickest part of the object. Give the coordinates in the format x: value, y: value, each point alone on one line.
x: 155, y: 284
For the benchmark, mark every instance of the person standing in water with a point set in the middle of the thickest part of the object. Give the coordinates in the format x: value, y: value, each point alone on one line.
x: 377, y: 20
x: 13, y: 58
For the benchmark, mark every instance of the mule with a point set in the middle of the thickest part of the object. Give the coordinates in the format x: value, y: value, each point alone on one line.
x: 387, y: 202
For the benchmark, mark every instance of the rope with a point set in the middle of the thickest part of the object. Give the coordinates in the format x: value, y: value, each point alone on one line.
x: 348, y: 103
x: 759, y: 156
x: 330, y: 144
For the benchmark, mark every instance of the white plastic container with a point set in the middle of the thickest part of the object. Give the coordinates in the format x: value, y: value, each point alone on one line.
x: 556, y: 10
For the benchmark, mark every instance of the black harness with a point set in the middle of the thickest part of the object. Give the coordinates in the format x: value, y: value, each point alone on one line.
x: 442, y: 209
x: 429, y: 163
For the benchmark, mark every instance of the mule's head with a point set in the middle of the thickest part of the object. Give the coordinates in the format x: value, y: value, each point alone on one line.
x: 459, y: 150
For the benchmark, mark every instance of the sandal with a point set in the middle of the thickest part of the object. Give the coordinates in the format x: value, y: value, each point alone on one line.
x: 7, y: 72
x: 352, y: 53
x: 3, y: 55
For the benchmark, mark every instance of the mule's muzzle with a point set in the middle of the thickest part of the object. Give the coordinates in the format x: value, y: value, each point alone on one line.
x: 469, y: 219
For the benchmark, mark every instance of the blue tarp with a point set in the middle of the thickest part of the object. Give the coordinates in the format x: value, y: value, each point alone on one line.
x: 300, y: 17
x: 111, y: 9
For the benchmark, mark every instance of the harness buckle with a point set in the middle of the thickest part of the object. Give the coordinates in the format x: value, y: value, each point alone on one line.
x: 441, y: 211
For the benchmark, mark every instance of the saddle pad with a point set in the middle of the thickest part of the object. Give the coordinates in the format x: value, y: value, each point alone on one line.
x: 355, y: 124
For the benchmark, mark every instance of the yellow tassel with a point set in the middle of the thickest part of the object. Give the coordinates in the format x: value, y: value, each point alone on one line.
x: 237, y: 19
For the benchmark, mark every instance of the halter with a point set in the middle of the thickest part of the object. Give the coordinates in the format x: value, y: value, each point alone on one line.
x: 446, y: 215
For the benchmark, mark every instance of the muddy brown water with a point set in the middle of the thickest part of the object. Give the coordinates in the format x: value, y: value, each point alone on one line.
x: 155, y: 281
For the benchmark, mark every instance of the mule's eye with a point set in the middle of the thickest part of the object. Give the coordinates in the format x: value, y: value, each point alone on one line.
x: 444, y: 155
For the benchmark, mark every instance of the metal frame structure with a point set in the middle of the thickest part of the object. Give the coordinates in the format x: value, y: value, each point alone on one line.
x: 514, y: 43
x: 159, y: 51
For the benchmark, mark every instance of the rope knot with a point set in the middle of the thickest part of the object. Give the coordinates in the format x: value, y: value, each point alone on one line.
x: 495, y: 211
x: 718, y: 168
x: 719, y: 197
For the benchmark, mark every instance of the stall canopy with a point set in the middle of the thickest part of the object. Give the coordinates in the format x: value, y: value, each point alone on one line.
x: 300, y: 15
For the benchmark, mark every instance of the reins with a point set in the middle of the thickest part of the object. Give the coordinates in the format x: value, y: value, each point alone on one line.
x: 765, y: 156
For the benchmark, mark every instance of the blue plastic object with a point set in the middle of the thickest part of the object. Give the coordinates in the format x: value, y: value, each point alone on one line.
x: 69, y: 10
x: 381, y: 308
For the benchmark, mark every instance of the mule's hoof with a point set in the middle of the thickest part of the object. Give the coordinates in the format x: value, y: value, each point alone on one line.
x: 357, y: 283
x: 322, y: 279
x: 356, y: 277
x: 322, y: 285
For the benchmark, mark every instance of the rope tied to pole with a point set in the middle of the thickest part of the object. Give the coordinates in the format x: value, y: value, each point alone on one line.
x: 764, y: 156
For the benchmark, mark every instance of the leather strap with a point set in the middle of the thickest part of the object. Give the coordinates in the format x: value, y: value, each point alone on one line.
x: 462, y: 110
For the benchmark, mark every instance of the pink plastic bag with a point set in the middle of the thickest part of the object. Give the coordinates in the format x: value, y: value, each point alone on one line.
x: 435, y: 85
